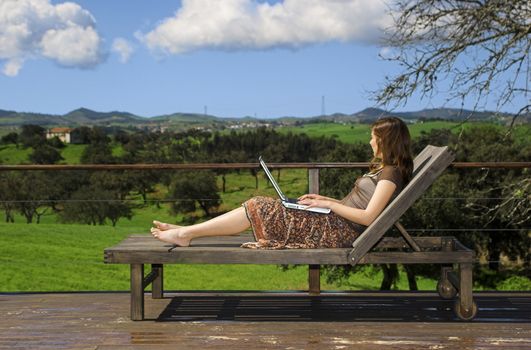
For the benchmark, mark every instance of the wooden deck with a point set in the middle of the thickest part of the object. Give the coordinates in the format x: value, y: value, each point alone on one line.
x: 262, y: 321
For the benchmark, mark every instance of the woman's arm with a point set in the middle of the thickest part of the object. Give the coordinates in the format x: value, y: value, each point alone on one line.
x: 317, y: 196
x: 382, y: 194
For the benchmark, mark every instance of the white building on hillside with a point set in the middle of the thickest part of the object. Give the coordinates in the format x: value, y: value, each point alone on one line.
x: 64, y: 134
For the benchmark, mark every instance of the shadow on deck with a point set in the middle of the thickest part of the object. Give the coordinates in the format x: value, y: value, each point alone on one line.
x: 395, y: 307
x: 400, y: 320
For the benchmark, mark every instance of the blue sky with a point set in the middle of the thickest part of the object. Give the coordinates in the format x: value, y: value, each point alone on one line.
x: 277, y: 61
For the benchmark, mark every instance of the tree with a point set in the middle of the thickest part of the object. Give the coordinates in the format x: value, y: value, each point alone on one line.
x: 488, y: 143
x: 12, y: 137
x: 225, y: 156
x: 481, y: 47
x: 143, y: 182
x: 9, y: 183
x: 115, y: 182
x: 93, y: 205
x: 190, y: 189
x: 99, y: 150
x: 81, y: 135
x: 121, y: 137
x: 45, y: 154
x: 32, y: 135
x: 35, y: 194
x: 56, y: 142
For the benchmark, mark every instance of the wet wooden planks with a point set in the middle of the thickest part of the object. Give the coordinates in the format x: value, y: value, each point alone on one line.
x: 262, y: 321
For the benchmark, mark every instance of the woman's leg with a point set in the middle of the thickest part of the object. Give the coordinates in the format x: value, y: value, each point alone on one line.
x: 230, y: 223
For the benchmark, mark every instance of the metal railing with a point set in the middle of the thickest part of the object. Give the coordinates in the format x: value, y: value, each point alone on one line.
x: 196, y: 166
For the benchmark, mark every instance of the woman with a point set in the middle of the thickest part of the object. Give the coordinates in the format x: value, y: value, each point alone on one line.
x: 276, y: 227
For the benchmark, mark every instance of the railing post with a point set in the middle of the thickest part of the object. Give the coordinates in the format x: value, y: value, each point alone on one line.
x: 314, y: 281
x: 313, y: 180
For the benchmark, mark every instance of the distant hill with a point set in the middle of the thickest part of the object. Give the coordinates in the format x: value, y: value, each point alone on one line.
x: 369, y: 115
x: 453, y: 114
x: 84, y: 116
x: 6, y: 113
x: 12, y: 118
x: 184, y: 118
x: 372, y: 113
x: 87, y: 117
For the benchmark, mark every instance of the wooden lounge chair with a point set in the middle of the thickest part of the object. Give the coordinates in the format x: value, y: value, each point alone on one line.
x: 370, y: 248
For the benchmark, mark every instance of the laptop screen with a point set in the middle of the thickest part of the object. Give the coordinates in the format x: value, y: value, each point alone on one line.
x: 272, y: 179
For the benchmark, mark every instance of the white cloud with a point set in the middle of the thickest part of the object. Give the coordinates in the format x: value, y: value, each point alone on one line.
x: 250, y: 25
x: 65, y: 33
x: 12, y: 67
x: 123, y: 48
x: 72, y: 47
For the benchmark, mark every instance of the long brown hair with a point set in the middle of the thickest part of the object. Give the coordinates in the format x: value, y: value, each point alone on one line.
x: 394, y: 145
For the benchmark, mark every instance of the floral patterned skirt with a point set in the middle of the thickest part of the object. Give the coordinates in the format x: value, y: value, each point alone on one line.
x: 277, y: 227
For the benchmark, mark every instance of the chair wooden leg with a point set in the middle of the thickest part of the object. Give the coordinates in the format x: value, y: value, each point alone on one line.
x: 448, y: 282
x: 465, y: 307
x: 137, y: 292
x: 314, y: 279
x: 465, y: 285
x: 157, y: 286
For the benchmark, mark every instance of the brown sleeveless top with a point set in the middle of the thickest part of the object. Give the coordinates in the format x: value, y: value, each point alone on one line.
x: 365, y: 185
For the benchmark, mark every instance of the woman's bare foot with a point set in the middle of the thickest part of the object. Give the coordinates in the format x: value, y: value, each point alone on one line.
x: 174, y: 236
x: 164, y: 226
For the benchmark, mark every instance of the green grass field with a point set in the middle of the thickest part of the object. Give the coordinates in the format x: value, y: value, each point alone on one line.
x: 57, y: 257
x: 72, y: 153
x: 352, y: 133
x: 54, y: 257
x: 345, y: 133
x: 9, y: 154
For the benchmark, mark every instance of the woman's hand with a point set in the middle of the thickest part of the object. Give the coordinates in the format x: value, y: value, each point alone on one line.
x: 315, y: 200
x: 311, y: 196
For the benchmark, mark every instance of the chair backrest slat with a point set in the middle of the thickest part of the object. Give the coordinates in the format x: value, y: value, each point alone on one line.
x: 427, y: 166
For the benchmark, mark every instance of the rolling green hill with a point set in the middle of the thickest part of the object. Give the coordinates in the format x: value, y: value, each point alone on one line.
x: 181, y: 121
x: 84, y: 116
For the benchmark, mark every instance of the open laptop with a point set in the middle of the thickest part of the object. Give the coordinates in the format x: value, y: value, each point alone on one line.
x: 290, y: 203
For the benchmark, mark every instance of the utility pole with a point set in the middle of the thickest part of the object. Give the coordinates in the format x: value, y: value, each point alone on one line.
x: 323, y: 110
x: 206, y: 110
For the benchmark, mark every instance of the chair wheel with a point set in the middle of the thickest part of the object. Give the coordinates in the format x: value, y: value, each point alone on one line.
x: 465, y: 315
x: 446, y: 289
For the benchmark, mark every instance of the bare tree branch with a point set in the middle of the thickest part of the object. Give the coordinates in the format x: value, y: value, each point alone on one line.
x: 480, y: 48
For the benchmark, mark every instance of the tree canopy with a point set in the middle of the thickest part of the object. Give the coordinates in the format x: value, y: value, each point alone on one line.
x: 192, y: 189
